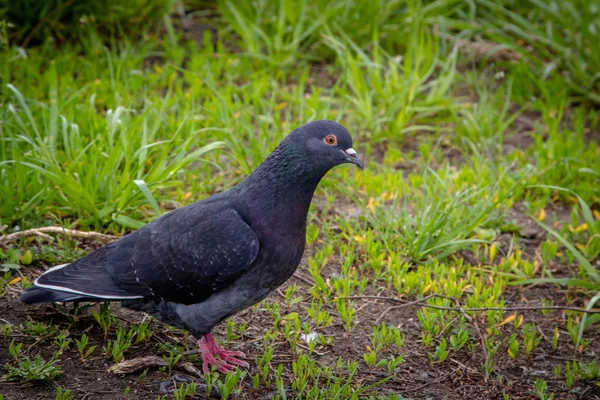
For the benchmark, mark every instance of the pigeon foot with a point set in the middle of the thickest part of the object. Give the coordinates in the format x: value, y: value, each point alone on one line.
x: 226, y: 362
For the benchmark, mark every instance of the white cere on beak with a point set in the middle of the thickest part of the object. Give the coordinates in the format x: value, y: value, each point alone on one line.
x: 351, y: 151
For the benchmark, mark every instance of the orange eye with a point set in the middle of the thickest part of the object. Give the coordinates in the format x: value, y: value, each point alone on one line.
x: 330, y: 140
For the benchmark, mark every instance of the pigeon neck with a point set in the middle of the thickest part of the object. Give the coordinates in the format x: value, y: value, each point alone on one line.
x: 281, y: 188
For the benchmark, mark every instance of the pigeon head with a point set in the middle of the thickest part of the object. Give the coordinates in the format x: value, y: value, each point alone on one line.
x: 281, y: 188
x: 324, y: 144
x: 293, y: 170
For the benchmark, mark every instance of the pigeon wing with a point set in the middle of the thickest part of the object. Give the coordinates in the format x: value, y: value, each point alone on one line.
x: 184, y: 265
x: 184, y: 256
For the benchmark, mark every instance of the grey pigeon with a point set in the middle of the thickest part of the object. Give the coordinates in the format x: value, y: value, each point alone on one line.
x: 200, y: 264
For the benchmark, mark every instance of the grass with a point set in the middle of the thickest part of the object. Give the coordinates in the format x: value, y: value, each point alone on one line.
x: 467, y: 249
x: 36, y: 370
x: 452, y: 219
x: 555, y: 38
x: 29, y: 21
x: 62, y: 152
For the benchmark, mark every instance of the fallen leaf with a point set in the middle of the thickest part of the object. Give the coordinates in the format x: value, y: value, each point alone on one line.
x: 27, y: 258
x: 508, y: 319
x: 582, y: 227
x: 519, y: 322
x: 542, y: 215
x: 281, y: 106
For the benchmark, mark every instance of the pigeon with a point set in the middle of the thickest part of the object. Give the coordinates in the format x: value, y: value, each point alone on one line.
x: 200, y: 264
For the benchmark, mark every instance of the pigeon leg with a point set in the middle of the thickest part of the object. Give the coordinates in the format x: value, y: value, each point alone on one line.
x: 227, y: 362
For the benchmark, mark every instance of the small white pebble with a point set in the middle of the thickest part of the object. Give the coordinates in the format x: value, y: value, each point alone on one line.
x: 309, y: 337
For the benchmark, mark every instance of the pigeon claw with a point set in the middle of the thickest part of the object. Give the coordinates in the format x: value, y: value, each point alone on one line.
x: 227, y: 360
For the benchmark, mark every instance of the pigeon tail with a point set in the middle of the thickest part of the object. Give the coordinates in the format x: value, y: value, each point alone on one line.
x: 36, y: 295
x: 84, y: 278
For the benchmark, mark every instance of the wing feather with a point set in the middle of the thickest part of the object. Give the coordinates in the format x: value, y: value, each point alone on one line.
x: 186, y: 265
x: 184, y: 256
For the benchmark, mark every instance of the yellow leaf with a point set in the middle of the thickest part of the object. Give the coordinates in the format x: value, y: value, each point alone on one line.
x: 519, y: 322
x: 187, y: 195
x: 17, y: 279
x: 542, y: 215
x: 582, y: 227
x: 426, y: 288
x: 371, y: 204
x: 359, y: 239
x: 508, y: 319
x: 27, y: 258
x: 280, y: 106
x: 596, y: 214
x: 493, y: 251
x: 467, y: 286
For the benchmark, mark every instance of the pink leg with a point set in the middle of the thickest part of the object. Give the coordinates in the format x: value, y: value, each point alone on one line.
x: 208, y: 349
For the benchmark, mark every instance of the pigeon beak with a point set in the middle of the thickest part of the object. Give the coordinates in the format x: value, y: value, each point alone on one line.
x: 353, y: 158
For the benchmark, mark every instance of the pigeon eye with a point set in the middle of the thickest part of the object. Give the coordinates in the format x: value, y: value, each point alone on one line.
x: 330, y: 140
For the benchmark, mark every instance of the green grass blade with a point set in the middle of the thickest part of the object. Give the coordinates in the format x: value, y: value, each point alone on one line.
x: 589, y: 268
x: 148, y: 194
x: 585, y: 321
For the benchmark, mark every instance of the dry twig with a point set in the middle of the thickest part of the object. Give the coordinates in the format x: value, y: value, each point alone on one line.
x: 486, y: 354
x: 42, y: 232
x: 136, y: 364
x: 304, y: 279
x: 406, y: 304
x: 438, y: 380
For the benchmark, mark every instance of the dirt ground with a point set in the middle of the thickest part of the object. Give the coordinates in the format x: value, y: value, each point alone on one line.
x: 415, y: 378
